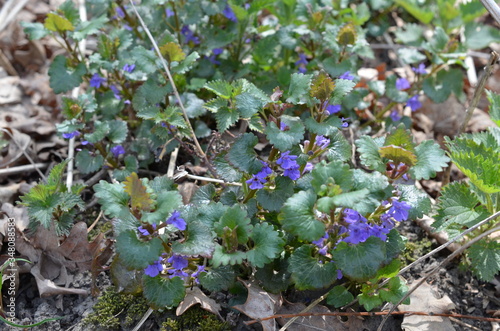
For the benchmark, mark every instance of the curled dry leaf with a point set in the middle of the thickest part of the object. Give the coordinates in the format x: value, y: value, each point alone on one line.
x: 195, y: 296
x: 18, y: 144
x: 424, y: 299
x: 260, y: 304
x: 9, y: 90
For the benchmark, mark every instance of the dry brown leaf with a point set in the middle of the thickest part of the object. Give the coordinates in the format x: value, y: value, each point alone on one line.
x: 18, y: 144
x: 307, y: 323
x: 187, y: 190
x: 48, y: 288
x: 445, y: 117
x: 7, y: 192
x: 19, y: 214
x: 9, y: 90
x: 195, y: 296
x: 260, y: 304
x: 424, y: 299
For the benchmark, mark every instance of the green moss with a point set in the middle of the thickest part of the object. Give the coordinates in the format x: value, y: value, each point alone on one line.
x: 195, y: 319
x: 414, y: 250
x: 113, y: 310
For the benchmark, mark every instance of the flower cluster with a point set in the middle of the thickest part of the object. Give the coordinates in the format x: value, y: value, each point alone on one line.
x: 322, y: 142
x: 189, y: 35
x: 259, y: 179
x: 288, y: 163
x: 402, y: 84
x: 301, y: 63
x: 144, y: 231
x: 117, y: 150
x: 178, y: 265
x: 414, y: 103
x: 176, y: 220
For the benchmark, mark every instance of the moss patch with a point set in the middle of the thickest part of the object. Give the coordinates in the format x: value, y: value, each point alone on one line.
x: 195, y: 319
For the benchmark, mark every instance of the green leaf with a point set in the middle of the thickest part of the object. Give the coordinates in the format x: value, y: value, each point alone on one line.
x: 471, y: 10
x: 339, y: 296
x: 87, y: 163
x: 69, y: 11
x: 273, y: 199
x: 57, y: 23
x: 439, y: 40
x: 139, y: 197
x: 235, y: 218
x: 338, y: 171
x: 224, y: 169
x: 308, y: 272
x: 360, y: 262
x: 137, y: 254
x: 218, y: 279
x: 398, y: 155
x: 101, y: 130
x: 223, y: 257
x: 297, y: 216
x: 87, y: 28
x: 131, y: 165
x: 378, y: 186
x: 199, y: 240
x: 242, y: 154
x: 395, y: 244
x: 326, y: 128
x: 117, y: 131
x: 146, y: 60
x: 485, y: 259
x: 370, y: 300
x: 185, y: 65
x: 494, y: 100
x: 163, y: 292
x: 113, y: 199
x: 167, y: 201
x: 368, y: 149
x: 430, y: 159
x: 221, y: 88
x: 479, y: 36
x: 204, y: 195
x: 211, y: 213
x: 34, y: 31
x: 339, y: 149
x: 412, y: 34
x: 458, y: 206
x: 377, y: 86
x: 419, y: 201
x: 299, y: 88
x: 440, y: 87
x: 399, y: 137
x: 411, y: 55
x: 390, y: 270
x: 421, y: 13
x: 267, y: 245
x: 172, y: 52
x: 248, y: 104
x: 342, y: 87
x: 147, y: 97
x: 274, y: 277
x: 285, y: 140
x: 64, y: 78
x: 348, y: 200
x: 225, y: 118
x: 394, y: 291
x: 392, y: 92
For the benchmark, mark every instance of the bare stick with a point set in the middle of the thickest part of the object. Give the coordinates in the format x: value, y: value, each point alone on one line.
x: 174, y: 87
x: 23, y: 168
x: 493, y: 8
x: 478, y: 92
x: 145, y: 317
x: 311, y: 306
x: 436, y: 269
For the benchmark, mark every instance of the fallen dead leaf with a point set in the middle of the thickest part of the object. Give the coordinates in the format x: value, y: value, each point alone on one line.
x: 9, y: 90
x: 196, y: 296
x: 424, y: 299
x: 260, y: 304
x: 18, y: 144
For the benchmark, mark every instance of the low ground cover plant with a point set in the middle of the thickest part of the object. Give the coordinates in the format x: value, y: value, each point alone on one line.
x: 319, y: 206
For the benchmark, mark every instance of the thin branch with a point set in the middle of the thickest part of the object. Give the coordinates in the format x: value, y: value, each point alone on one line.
x: 176, y: 92
x: 493, y: 8
x: 23, y: 168
x: 436, y: 269
x: 311, y: 306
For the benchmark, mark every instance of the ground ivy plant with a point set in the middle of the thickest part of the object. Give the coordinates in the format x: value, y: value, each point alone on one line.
x: 311, y: 211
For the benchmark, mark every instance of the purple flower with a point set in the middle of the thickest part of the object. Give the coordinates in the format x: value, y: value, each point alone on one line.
x: 176, y: 220
x: 197, y: 273
x: 399, y: 210
x: 119, y: 11
x: 217, y: 51
x: 395, y: 115
x: 358, y: 232
x: 96, y: 80
x: 154, y: 269
x: 248, y: 41
x: 292, y: 173
x: 322, y: 142
x: 189, y: 35
x: 116, y: 92
x: 283, y: 126
x: 420, y: 70
x: 127, y: 27
x: 344, y: 122
x: 85, y: 142
x: 256, y: 182
x: 302, y: 70
x: 265, y: 171
x: 322, y: 244
x: 178, y: 273
x: 339, y: 274
x: 332, y: 109
x: 351, y: 216
x: 229, y: 13
x: 413, y: 103
x: 287, y: 161
x: 169, y: 12
x: 308, y: 168
x: 70, y: 135
x: 347, y: 75
x: 144, y: 231
x: 129, y: 67
x: 379, y: 232
x: 302, y: 60
x: 178, y: 262
x: 117, y: 150
x: 402, y: 84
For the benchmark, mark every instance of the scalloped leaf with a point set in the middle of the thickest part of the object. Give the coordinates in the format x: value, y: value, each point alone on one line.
x: 285, y: 140
x: 485, y: 259
x: 308, y: 272
x: 87, y: 163
x: 430, y: 159
x: 360, y: 262
x: 139, y: 197
x: 347, y: 34
x: 336, y: 170
x: 267, y: 245
x: 299, y: 88
x: 172, y: 52
x: 218, y: 279
x: 322, y: 87
x: 222, y: 88
x: 163, y: 292
x: 242, y: 154
x: 222, y: 257
x: 199, y: 241
x: 137, y: 254
x: 57, y: 23
x: 368, y: 149
x: 273, y: 199
x: 297, y: 216
x: 234, y: 218
x: 326, y: 128
x: 398, y: 154
x: 226, y: 117
x: 342, y: 87
x: 419, y: 200
x: 339, y: 296
x: 274, y: 277
x: 62, y: 77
